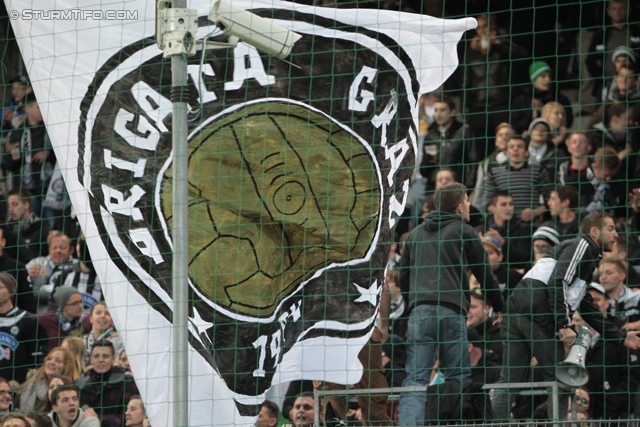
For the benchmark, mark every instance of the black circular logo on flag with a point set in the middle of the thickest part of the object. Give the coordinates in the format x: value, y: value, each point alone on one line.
x: 296, y: 176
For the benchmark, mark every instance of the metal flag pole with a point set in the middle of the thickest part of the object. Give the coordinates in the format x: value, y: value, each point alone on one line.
x: 176, y: 27
x: 179, y: 288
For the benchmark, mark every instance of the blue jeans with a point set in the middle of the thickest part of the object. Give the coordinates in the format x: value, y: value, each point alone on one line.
x: 432, y: 326
x: 525, y: 339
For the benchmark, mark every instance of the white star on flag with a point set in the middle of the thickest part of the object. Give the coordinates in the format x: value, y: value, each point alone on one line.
x: 198, y: 322
x: 370, y: 295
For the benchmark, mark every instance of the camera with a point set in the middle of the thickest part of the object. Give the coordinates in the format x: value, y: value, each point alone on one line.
x: 252, y: 29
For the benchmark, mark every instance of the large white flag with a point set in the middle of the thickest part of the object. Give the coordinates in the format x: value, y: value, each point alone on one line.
x: 298, y: 170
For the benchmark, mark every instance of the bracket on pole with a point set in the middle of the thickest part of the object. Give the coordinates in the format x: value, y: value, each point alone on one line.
x: 176, y: 29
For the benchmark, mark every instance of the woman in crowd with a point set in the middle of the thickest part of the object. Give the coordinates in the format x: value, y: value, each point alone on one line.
x: 556, y: 115
x: 75, y: 346
x: 123, y: 361
x: 59, y: 362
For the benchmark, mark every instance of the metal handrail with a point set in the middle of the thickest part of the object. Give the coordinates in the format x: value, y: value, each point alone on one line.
x: 534, y: 388
x: 369, y: 391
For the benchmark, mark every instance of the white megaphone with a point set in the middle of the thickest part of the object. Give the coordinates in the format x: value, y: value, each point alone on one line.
x: 572, y: 371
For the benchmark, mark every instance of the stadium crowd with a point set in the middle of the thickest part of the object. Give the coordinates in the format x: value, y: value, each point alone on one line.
x: 62, y: 361
x: 555, y: 202
x: 545, y: 174
x: 536, y: 176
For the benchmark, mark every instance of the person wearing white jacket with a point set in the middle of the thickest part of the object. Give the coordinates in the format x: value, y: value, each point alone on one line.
x: 66, y: 409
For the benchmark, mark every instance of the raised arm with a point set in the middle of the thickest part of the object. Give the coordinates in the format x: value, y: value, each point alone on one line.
x: 479, y: 265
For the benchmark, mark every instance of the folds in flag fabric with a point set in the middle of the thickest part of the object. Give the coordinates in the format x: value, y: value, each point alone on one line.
x: 298, y: 170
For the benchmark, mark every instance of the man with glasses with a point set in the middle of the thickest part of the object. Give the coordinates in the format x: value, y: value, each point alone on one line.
x: 6, y: 397
x: 65, y: 317
x: 106, y: 387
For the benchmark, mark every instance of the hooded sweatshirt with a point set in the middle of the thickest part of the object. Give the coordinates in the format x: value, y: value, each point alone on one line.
x: 79, y: 422
x: 434, y: 260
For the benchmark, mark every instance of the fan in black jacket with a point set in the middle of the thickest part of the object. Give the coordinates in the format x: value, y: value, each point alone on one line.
x: 25, y: 232
x: 23, y: 297
x: 432, y: 272
x: 614, y: 373
x: 526, y: 105
x: 507, y: 277
x: 31, y: 159
x: 106, y: 387
x: 19, y: 334
x: 610, y: 42
x: 449, y: 143
x: 513, y: 234
x: 564, y: 206
x: 432, y: 263
x: 541, y: 306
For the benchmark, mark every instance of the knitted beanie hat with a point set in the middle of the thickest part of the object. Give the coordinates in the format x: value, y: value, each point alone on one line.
x: 9, y: 282
x: 547, y: 234
x: 537, y: 69
x: 623, y: 51
x: 61, y: 296
x: 538, y: 121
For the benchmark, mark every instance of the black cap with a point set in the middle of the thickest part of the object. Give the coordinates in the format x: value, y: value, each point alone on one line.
x: 20, y: 79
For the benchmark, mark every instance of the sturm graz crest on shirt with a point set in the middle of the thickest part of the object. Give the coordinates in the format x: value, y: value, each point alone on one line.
x: 296, y: 176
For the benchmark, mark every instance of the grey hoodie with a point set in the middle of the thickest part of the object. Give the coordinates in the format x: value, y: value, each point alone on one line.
x: 433, y: 263
x: 87, y: 422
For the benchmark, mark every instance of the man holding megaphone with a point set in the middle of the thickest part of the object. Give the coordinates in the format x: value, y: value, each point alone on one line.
x: 614, y: 373
x: 540, y: 309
